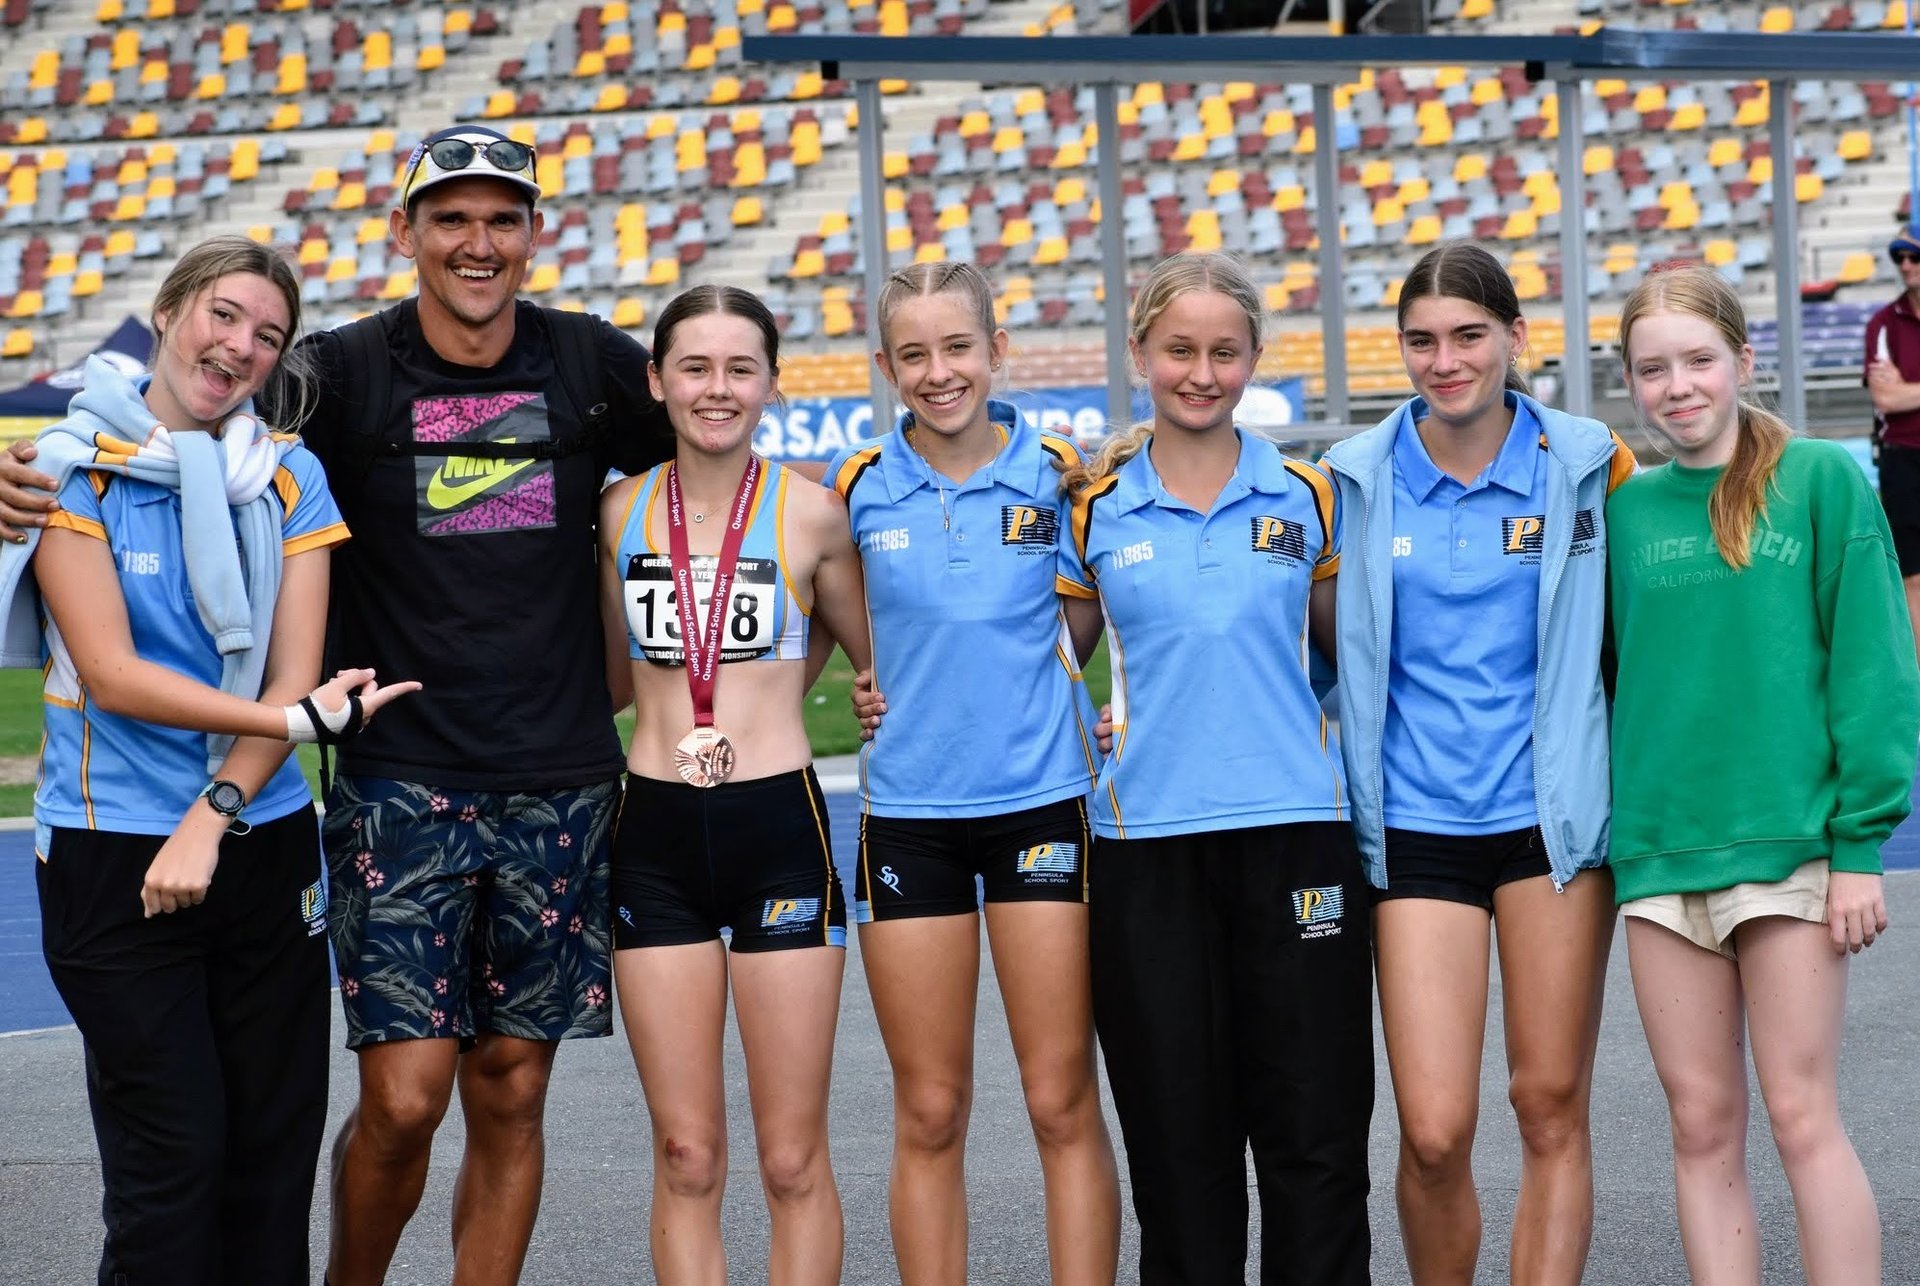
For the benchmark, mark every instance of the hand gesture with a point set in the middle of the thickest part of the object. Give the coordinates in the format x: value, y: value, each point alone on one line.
x: 182, y: 871
x: 341, y: 706
x: 26, y: 494
x: 868, y: 705
x: 1856, y: 910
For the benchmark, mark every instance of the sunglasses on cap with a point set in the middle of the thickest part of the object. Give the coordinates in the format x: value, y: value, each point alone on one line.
x: 502, y: 154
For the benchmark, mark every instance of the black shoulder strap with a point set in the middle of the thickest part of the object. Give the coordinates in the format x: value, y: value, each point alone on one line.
x: 366, y: 383
x: 577, y: 362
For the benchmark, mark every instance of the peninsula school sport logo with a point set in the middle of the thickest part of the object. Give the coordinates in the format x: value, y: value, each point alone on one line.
x: 1586, y: 534
x: 1318, y: 910
x: 789, y: 915
x: 1278, y: 539
x: 465, y: 495
x: 1033, y: 528
x: 1053, y: 863
x: 313, y: 907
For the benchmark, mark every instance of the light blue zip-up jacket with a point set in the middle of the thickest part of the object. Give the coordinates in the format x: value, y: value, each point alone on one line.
x: 1570, y: 774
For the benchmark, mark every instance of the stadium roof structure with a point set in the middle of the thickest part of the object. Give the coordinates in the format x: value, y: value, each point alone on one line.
x: 1105, y: 62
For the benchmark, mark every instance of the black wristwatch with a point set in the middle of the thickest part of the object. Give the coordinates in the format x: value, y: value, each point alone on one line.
x: 227, y: 799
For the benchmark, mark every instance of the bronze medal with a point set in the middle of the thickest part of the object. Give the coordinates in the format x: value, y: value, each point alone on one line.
x: 704, y: 757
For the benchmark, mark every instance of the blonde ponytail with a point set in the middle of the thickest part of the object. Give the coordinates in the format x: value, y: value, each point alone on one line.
x: 1739, y: 499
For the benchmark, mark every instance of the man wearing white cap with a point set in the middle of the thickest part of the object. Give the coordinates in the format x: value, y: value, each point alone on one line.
x: 1892, y: 378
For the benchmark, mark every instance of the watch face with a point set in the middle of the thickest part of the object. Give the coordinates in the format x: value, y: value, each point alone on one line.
x: 226, y: 797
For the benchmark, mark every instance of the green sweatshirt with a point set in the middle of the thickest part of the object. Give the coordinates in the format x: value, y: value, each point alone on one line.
x: 1765, y: 717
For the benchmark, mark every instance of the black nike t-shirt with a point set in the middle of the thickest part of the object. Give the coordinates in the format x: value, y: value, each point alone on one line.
x: 477, y: 576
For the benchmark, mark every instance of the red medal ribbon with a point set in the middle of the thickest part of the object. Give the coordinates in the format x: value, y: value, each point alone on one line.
x: 703, y: 648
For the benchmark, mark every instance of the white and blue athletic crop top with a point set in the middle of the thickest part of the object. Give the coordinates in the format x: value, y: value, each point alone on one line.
x: 767, y: 620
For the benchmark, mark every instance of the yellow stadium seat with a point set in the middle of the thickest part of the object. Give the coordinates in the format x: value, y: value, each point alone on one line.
x: 930, y: 252
x: 747, y: 211
x: 1071, y: 156
x: 1390, y: 296
x: 430, y: 58
x: 1597, y: 159
x: 1276, y: 296
x: 1470, y: 166
x: 664, y: 272
x: 261, y: 232
x: 1688, y: 116
x: 1857, y: 267
x: 1777, y: 19
x: 1486, y: 90
x: 613, y: 11
x: 1203, y: 230
x: 160, y: 186
x: 629, y: 313
x: 1752, y: 113
x: 1650, y: 98
x: 1216, y: 118
x: 1191, y: 147
x: 211, y: 86
x: 244, y: 162
x: 87, y: 284
x: 699, y: 58
x: 1856, y: 145
x: 458, y: 21
x: 313, y: 250
x: 1435, y: 131
x: 119, y: 242
x: 18, y: 343
x: 805, y: 141
x: 1808, y: 187
x: 339, y: 270
x: 98, y: 93
x: 1760, y: 170
x: 1148, y: 92
x: 154, y: 72
x: 44, y: 71
x: 399, y: 285
x: 351, y: 196
x: 1388, y: 211
x: 1520, y: 225
x: 590, y: 63
x: 1723, y: 151
x: 370, y: 231
x: 953, y: 217
x: 1546, y: 202
x: 576, y: 146
x: 899, y: 239
x: 32, y: 130
x: 781, y: 18
x: 325, y: 179
x: 285, y: 117
x: 159, y: 8
x: 293, y: 74
x: 834, y: 222
x: 1007, y: 138
x: 544, y: 278
x: 1538, y: 182
x: 1448, y: 77
x: 1305, y: 141
x: 1016, y: 232
x: 1276, y: 123
x: 1476, y: 10
x: 550, y: 173
x: 125, y: 49
x: 1679, y: 192
x: 235, y: 39
x: 617, y: 43
x: 749, y: 165
x: 499, y: 103
x: 1895, y: 16
x: 611, y: 98
x: 1681, y: 218
x: 1221, y: 182
x: 108, y: 11
x: 1424, y: 231
x: 894, y: 165
x: 23, y: 185
x: 1290, y: 197
x: 1376, y: 173
x: 726, y: 89
x: 808, y: 263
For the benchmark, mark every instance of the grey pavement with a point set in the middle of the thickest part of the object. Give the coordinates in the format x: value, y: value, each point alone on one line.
x: 593, y: 1223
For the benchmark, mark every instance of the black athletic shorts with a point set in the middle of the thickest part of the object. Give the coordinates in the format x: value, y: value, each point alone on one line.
x: 750, y: 855
x: 917, y: 866
x: 1460, y: 868
x: 1900, y: 496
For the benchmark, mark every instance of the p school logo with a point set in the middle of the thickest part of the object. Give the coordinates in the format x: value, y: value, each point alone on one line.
x: 1031, y: 527
x: 1318, y: 911
x: 1525, y: 535
x: 1278, y: 539
x: 313, y: 907
x: 1053, y: 863
x: 788, y: 915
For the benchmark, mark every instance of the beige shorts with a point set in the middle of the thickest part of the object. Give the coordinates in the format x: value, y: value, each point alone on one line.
x: 1709, y: 919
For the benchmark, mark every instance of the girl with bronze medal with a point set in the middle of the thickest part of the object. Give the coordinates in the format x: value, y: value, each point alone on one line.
x: 720, y: 561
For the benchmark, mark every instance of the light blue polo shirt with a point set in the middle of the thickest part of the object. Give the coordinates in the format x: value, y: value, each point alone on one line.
x: 986, y: 713
x: 1457, y: 748
x: 1216, y: 726
x: 100, y: 771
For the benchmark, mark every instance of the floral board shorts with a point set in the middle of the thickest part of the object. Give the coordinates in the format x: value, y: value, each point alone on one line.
x: 454, y: 912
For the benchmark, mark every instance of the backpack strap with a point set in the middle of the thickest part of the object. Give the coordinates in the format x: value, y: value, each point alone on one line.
x: 581, y: 370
